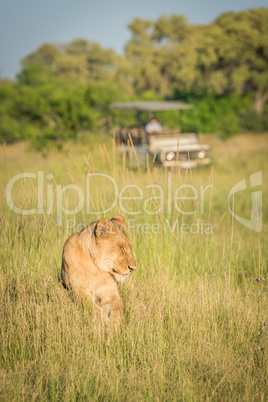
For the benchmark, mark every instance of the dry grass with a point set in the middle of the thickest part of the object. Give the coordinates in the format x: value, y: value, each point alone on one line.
x: 194, y: 327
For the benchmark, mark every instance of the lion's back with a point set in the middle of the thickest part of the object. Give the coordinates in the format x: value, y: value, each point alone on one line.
x: 76, y: 270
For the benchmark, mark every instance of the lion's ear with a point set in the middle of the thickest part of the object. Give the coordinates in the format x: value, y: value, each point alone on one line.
x: 120, y: 221
x: 102, y: 228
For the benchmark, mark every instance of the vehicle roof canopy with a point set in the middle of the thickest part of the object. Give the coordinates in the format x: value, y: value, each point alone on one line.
x: 151, y: 106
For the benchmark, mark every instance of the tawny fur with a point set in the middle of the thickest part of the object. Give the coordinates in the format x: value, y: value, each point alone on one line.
x: 94, y: 260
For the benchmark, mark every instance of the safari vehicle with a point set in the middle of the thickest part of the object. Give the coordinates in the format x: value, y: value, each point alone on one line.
x: 171, y: 147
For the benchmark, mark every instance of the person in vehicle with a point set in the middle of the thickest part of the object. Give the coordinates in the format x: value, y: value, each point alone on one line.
x: 153, y: 127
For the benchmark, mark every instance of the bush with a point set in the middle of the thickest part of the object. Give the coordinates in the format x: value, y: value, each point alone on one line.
x: 253, y: 122
x: 219, y: 114
x: 45, y: 109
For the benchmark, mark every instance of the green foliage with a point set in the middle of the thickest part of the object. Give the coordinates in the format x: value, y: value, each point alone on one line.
x: 46, y: 109
x: 238, y: 43
x: 253, y: 122
x: 229, y: 55
x: 83, y: 62
x: 219, y: 114
x: 63, y: 92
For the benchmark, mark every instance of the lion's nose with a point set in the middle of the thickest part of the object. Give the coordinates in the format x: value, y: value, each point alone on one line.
x: 131, y: 268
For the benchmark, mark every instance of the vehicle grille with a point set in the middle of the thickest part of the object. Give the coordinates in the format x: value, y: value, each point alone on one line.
x: 182, y: 156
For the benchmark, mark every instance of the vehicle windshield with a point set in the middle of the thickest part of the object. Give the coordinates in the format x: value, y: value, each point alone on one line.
x: 171, y: 115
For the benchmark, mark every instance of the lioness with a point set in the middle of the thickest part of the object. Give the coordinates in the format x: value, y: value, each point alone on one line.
x: 94, y: 260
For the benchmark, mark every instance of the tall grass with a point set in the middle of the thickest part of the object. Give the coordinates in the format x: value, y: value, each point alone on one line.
x: 194, y: 327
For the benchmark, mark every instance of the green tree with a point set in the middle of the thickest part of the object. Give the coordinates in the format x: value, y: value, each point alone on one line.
x: 163, y: 55
x: 46, y: 54
x: 229, y: 55
x: 142, y: 53
x: 233, y: 55
x: 43, y: 108
x: 84, y: 62
x: 222, y: 67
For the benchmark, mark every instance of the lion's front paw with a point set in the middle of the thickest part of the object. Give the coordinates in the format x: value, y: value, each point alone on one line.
x: 116, y: 316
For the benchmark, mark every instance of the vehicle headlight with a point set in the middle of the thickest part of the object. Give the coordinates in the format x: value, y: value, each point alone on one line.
x: 170, y: 156
x: 201, y: 154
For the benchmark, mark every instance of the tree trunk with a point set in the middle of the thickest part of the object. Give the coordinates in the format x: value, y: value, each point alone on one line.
x: 260, y: 101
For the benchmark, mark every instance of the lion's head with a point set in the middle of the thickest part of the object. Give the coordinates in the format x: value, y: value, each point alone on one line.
x: 112, y: 247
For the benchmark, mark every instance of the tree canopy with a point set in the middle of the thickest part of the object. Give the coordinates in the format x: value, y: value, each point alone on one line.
x: 222, y: 67
x: 227, y: 56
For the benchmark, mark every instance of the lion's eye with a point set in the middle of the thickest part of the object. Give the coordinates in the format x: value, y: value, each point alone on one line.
x: 122, y: 248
